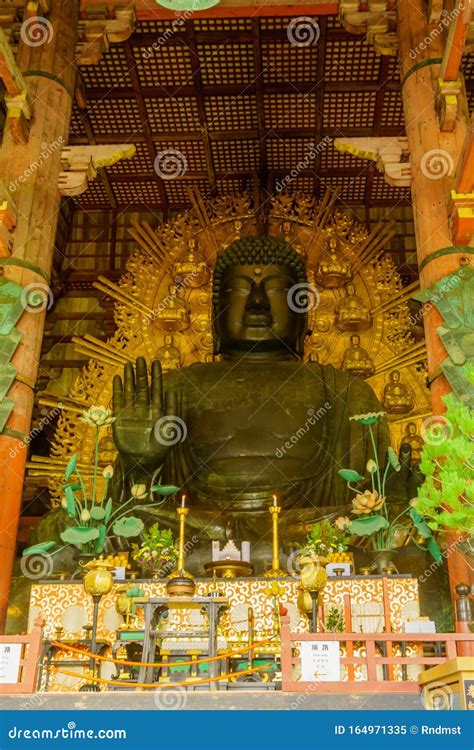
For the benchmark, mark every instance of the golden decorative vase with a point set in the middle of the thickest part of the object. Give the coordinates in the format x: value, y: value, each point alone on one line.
x: 313, y: 574
x: 304, y: 601
x: 99, y: 580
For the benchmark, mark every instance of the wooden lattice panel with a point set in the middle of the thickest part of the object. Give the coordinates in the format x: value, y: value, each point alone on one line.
x: 290, y: 110
x: 352, y: 188
x: 176, y: 190
x: 223, y: 24
x: 283, y: 61
x: 382, y: 191
x: 141, y: 163
x: 345, y: 59
x: 109, y: 117
x: 173, y: 115
x: 231, y: 113
x: 227, y: 186
x: 152, y: 27
x: 331, y: 158
x: 167, y: 65
x: 392, y: 112
x: 300, y: 184
x: 287, y: 153
x: 190, y: 155
x: 111, y: 71
x: 76, y: 128
x: 231, y: 156
x: 349, y: 109
x: 94, y: 196
x: 393, y: 68
x: 226, y: 63
x: 137, y: 193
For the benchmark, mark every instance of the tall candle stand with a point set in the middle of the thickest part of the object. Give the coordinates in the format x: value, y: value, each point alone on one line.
x: 180, y: 582
x: 275, y: 571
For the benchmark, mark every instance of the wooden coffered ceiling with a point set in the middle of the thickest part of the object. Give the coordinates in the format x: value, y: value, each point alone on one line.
x: 237, y: 99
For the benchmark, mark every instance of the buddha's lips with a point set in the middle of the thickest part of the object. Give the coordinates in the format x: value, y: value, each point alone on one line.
x: 257, y: 320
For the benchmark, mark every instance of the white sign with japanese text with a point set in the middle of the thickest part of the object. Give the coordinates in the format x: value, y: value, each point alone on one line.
x: 320, y: 661
x: 10, y: 655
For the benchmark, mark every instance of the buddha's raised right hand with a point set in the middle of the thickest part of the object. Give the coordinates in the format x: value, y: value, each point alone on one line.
x: 140, y: 415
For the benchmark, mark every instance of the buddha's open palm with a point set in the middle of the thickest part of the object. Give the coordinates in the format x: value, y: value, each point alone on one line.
x: 144, y: 426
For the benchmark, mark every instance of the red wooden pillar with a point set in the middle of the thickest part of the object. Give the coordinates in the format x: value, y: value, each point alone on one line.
x: 430, y: 151
x: 33, y: 169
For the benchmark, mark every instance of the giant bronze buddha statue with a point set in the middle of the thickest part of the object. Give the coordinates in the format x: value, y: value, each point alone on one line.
x: 232, y: 433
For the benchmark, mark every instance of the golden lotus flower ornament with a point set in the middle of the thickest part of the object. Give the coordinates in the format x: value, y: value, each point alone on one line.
x: 367, y: 502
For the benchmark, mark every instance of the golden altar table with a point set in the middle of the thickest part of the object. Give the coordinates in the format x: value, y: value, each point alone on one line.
x: 65, y: 604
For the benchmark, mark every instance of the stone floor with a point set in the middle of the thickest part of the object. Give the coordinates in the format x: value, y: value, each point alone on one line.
x: 222, y: 701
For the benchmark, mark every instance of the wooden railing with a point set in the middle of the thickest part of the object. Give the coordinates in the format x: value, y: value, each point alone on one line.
x: 385, y: 663
x: 30, y: 654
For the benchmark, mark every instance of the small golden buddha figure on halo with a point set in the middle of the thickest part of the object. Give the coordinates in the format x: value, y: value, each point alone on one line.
x: 333, y: 269
x: 352, y: 314
x: 414, y: 440
x: 169, y: 354
x: 173, y: 313
x: 191, y: 270
x: 396, y: 398
x: 356, y: 360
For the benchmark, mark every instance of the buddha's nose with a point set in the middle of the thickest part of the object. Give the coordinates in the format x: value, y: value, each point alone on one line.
x: 258, y: 300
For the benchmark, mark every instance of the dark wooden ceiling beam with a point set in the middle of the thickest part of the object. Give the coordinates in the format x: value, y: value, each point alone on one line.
x: 259, y: 91
x: 379, y: 103
x: 107, y: 93
x: 242, y: 135
x: 319, y: 103
x: 199, y: 94
x: 81, y: 101
x: 131, y: 65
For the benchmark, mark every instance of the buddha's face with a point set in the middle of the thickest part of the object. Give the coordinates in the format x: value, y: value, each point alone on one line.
x: 254, y: 313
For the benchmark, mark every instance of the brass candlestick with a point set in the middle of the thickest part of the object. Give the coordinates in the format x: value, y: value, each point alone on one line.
x: 182, y: 513
x: 276, y: 571
x: 180, y: 582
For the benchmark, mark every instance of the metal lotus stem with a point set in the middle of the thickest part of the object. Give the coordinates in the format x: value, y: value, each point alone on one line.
x: 182, y: 513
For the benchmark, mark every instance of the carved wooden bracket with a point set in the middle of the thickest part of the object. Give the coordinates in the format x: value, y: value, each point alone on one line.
x: 390, y: 154
x: 377, y: 19
x: 447, y: 103
x: 81, y: 163
x: 99, y: 31
x: 462, y: 196
x: 17, y: 98
x: 8, y: 213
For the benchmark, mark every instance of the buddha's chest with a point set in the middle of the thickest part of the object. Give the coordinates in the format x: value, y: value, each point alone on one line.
x: 248, y: 405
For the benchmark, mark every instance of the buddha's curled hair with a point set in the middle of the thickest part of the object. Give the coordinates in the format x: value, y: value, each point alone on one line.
x: 257, y: 250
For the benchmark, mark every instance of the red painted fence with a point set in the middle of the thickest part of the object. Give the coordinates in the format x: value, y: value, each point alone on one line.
x: 386, y: 650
